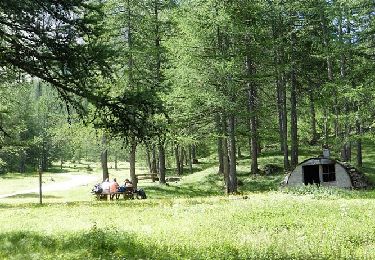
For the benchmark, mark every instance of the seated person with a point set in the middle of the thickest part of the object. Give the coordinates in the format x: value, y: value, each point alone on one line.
x: 113, y: 188
x: 128, y: 183
x: 97, y: 188
x: 106, y: 186
x: 126, y: 187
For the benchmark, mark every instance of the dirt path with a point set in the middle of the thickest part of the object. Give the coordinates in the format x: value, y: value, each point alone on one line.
x: 74, y: 181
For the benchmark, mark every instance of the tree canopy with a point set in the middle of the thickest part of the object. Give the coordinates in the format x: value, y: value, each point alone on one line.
x: 63, y: 43
x: 216, y: 75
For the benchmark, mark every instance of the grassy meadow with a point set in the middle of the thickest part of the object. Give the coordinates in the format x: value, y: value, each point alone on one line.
x: 190, y: 219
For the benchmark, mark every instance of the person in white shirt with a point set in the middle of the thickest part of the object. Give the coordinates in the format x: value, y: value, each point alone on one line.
x: 106, y: 186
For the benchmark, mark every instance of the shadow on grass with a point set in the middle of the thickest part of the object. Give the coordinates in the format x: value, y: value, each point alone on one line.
x: 32, y: 195
x: 190, y: 191
x: 196, y: 168
x: 57, y: 170
x: 259, y: 183
x: 262, y: 183
x: 213, y: 185
x: 103, y: 244
x: 210, y: 185
x: 87, y: 245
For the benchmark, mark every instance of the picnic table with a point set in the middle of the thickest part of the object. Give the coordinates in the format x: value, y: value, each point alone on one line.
x: 127, y: 194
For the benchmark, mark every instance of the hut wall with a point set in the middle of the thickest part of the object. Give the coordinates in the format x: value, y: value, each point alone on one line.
x: 296, y: 177
x: 342, y: 177
x: 343, y: 180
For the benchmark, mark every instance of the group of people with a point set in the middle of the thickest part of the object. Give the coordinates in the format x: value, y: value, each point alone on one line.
x: 112, y: 187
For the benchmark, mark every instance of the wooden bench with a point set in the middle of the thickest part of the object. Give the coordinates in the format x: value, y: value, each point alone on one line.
x: 148, y: 176
x: 127, y: 194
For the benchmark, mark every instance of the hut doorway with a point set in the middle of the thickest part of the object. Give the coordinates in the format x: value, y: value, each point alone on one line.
x: 311, y: 174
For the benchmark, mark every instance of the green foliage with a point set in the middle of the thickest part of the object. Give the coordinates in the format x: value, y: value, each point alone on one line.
x: 57, y: 42
x: 66, y: 44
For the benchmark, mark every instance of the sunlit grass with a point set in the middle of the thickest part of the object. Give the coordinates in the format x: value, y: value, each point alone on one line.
x: 263, y: 226
x: 191, y: 219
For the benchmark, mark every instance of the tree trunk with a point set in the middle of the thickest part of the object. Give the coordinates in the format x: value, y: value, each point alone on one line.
x: 133, y: 149
x: 326, y: 46
x: 116, y: 166
x: 293, y: 105
x: 194, y: 153
x: 359, y: 144
x: 281, y: 90
x: 232, y: 155
x: 251, y: 89
x: 284, y: 122
x: 280, y: 111
x: 219, y: 144
x: 148, y: 158
x: 314, y: 136
x: 329, y: 68
x: 161, y: 162
x: 259, y: 146
x: 104, y: 158
x: 185, y: 156
x: 239, y: 153
x: 44, y: 156
x: 177, y: 157
x: 190, y: 160
x: 326, y: 126
x: 226, y: 164
x: 133, y: 142
x: 22, y: 162
x: 153, y: 160
x: 181, y: 160
x: 344, y: 153
x: 346, y: 147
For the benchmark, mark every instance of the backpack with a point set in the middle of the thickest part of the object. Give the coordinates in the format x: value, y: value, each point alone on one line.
x: 142, y: 194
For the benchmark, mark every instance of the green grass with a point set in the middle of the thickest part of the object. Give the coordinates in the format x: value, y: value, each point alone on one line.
x: 190, y: 219
x: 263, y: 226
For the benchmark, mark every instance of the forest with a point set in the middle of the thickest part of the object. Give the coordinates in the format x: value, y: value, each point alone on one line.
x: 175, y: 78
x: 185, y: 88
